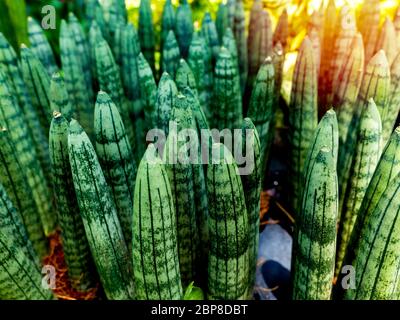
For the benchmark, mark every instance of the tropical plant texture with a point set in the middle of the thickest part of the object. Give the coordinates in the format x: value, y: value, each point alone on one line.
x: 147, y: 148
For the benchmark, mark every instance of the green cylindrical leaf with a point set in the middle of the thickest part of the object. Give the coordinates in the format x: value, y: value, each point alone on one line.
x: 99, y: 216
x: 227, y: 101
x: 116, y: 160
x: 366, y: 156
x: 171, y: 55
x: 228, y: 265
x: 315, y: 238
x: 75, y: 245
x: 146, y: 32
x: 15, y: 183
x: 303, y: 117
x: 156, y: 264
x: 41, y: 46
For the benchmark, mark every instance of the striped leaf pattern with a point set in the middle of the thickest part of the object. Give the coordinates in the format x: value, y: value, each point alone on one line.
x: 228, y: 265
x: 20, y: 277
x: 227, y: 102
x: 167, y: 21
x: 156, y: 266
x: 200, y: 67
x: 74, y: 77
x: 40, y: 46
x: 181, y: 178
x: 76, y: 248
x: 184, y: 77
x: 239, y: 31
x: 99, y: 215
x: 315, y: 238
x: 348, y: 86
x: 377, y: 261
x: 184, y: 27
x: 366, y: 157
x: 387, y: 169
x: 170, y: 55
x: 110, y: 81
x: 303, y: 117
x: 116, y: 160
x: 15, y: 183
x: 259, y: 42
x: 252, y: 184
x: 165, y: 101
x: 393, y: 104
x: 12, y: 119
x: 38, y: 83
x: 261, y: 107
x: 17, y: 88
x: 82, y: 47
x: 59, y: 99
x: 148, y: 89
x: 210, y: 34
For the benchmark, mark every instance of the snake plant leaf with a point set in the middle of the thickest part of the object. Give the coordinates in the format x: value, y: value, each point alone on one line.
x: 368, y: 25
x: 82, y: 47
x: 38, y: 84
x: 239, y: 30
x: 326, y: 135
x: 77, y: 255
x: 201, y: 71
x: 116, y: 160
x: 184, y: 77
x: 171, y: 55
x: 165, y: 101
x: 12, y: 118
x: 281, y: 32
x: 378, y: 256
x: 20, y: 276
x: 17, y: 88
x: 148, y: 90
x: 167, y: 21
x: 180, y: 173
x: 303, y: 117
x: 348, y: 86
x: 222, y: 21
x: 259, y: 41
x: 109, y: 78
x: 375, y: 85
x: 227, y: 102
x: 325, y: 70
x: 99, y: 216
x: 366, y: 156
x: 184, y: 27
x: 74, y: 77
x: 343, y: 46
x: 15, y: 183
x: 59, y: 99
x: 393, y: 104
x: 315, y: 235
x: 261, y: 108
x: 252, y: 184
x: 228, y: 265
x: 41, y: 46
x: 386, y: 171
x: 385, y: 41
x: 210, y: 34
x: 157, y: 271
x: 146, y: 32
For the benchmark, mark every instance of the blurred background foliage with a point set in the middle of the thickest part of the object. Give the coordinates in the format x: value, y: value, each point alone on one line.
x: 13, y: 15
